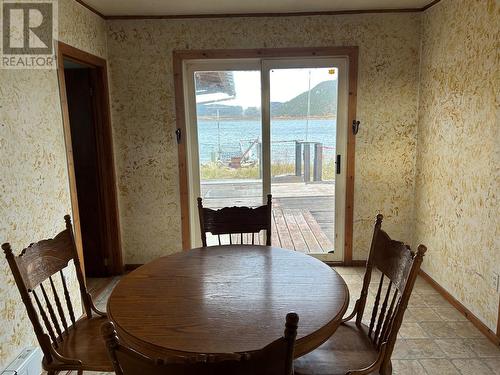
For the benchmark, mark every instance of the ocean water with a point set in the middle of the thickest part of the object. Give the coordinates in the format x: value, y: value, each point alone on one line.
x: 234, y: 136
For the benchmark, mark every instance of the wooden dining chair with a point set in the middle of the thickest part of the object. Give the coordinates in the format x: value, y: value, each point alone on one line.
x: 242, y: 224
x: 67, y: 344
x: 359, y: 349
x: 274, y: 359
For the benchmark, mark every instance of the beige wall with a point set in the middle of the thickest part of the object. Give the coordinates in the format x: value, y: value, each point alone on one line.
x: 452, y: 207
x: 142, y: 91
x: 457, y: 185
x: 34, y: 193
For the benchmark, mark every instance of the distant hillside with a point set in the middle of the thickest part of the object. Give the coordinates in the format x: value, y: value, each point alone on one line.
x: 323, y: 103
x: 210, y: 110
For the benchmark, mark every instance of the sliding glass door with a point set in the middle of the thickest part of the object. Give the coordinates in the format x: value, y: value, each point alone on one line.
x: 260, y: 126
x: 229, y: 131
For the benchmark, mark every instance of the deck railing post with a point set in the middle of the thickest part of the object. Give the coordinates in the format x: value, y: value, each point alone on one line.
x: 259, y: 158
x: 318, y: 162
x: 307, y: 162
x: 298, y: 158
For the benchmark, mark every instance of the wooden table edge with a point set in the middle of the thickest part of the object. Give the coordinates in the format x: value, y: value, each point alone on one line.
x: 329, y: 328
x: 302, y: 345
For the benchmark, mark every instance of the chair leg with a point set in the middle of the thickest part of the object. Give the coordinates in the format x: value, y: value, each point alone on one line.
x: 386, y: 368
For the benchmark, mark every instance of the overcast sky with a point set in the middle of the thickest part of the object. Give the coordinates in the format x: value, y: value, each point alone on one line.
x: 285, y: 84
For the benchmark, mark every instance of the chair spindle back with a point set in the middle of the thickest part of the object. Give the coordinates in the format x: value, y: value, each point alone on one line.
x: 35, y: 272
x: 398, y: 267
x: 242, y: 225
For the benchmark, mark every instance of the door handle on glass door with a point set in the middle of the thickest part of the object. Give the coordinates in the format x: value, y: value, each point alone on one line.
x: 337, y: 164
x: 178, y: 135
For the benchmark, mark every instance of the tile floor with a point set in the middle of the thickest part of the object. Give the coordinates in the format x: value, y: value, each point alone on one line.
x: 435, y: 339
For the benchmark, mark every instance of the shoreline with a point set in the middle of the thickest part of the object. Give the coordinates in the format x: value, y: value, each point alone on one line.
x: 279, y: 118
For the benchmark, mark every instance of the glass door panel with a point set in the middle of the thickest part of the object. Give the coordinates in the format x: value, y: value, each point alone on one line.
x: 271, y: 126
x: 229, y: 130
x: 303, y: 116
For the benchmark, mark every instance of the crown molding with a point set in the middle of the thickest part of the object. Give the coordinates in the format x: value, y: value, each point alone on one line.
x: 95, y: 11
x: 239, y: 15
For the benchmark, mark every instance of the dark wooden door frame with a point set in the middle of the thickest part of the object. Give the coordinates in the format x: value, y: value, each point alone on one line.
x: 179, y: 57
x: 105, y: 157
x: 498, y: 321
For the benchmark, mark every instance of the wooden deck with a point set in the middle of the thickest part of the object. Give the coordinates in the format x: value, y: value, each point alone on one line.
x: 297, y: 229
x: 294, y: 229
x: 303, y: 214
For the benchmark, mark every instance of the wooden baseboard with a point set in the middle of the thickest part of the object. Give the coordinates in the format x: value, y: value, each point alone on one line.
x: 333, y: 263
x: 132, y: 266
x: 358, y: 263
x: 462, y: 309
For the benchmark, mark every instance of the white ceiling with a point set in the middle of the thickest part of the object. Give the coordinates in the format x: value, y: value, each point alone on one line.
x: 200, y: 7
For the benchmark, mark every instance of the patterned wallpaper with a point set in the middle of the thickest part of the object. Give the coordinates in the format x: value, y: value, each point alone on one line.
x: 34, y: 194
x: 454, y: 199
x: 458, y: 162
x: 142, y: 92
x: 82, y: 28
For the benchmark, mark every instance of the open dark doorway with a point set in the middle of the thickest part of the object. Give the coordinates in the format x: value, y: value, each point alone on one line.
x: 85, y: 107
x: 80, y: 88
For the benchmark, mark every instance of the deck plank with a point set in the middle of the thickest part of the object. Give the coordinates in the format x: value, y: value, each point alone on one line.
x: 235, y: 238
x: 259, y: 239
x: 255, y: 240
x: 262, y: 237
x: 282, y: 229
x: 298, y: 241
x: 321, y: 237
x: 247, y: 238
x: 292, y: 228
x: 275, y: 238
x: 307, y: 234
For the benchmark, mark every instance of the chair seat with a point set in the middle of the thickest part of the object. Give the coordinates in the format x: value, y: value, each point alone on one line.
x: 348, y: 349
x: 85, y: 342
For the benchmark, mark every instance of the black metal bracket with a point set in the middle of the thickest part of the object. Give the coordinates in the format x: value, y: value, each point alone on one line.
x: 355, y: 127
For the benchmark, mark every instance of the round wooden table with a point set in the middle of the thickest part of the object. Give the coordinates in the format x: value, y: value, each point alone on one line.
x: 225, y: 299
